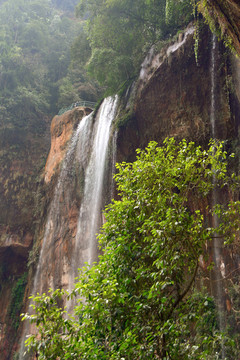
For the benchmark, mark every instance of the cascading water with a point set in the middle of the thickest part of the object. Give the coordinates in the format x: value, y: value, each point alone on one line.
x: 114, y: 152
x: 63, y: 196
x: 48, y: 264
x: 213, y: 87
x: 217, y: 242
x: 82, y: 176
x: 90, y: 216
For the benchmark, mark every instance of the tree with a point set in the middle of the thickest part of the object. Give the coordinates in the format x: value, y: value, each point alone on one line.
x: 138, y: 301
x: 35, y: 46
x: 121, y: 32
x: 65, y: 5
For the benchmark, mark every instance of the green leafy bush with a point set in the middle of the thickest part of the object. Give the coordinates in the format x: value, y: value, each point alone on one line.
x: 17, y: 300
x: 138, y: 301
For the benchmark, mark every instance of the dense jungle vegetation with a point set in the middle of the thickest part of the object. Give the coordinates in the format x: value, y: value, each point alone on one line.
x: 47, y: 54
x: 120, y: 34
x: 35, y: 41
x: 50, y: 59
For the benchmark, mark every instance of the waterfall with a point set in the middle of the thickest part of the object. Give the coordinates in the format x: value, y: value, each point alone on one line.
x: 217, y: 286
x: 82, y: 176
x: 90, y: 216
x: 114, y: 153
x: 216, y: 249
x: 49, y: 263
x: 213, y: 86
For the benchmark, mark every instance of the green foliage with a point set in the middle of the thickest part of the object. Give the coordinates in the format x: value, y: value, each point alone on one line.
x: 138, y: 301
x: 121, y: 32
x: 34, y: 55
x: 67, y: 93
x: 220, y: 17
x: 125, y: 118
x: 51, y: 327
x: 77, y: 84
x: 65, y: 5
x: 17, y: 300
x: 109, y: 68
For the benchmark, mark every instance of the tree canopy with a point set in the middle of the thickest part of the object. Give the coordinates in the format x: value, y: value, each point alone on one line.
x: 35, y: 41
x: 121, y: 32
x: 140, y: 301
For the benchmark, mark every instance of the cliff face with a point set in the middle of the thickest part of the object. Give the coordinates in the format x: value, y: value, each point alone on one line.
x: 173, y: 96
x: 25, y: 195
x: 177, y: 97
x: 23, y: 150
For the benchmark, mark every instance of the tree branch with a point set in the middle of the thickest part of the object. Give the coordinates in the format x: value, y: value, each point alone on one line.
x: 184, y: 293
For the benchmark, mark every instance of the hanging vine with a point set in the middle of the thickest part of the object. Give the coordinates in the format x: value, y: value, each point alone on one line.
x: 223, y: 18
x: 196, y: 32
x: 169, y: 11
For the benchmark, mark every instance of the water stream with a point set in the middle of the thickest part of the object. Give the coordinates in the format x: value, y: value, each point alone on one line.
x: 213, y: 86
x: 52, y: 270
x: 217, y: 283
x: 82, y: 176
x: 90, y: 215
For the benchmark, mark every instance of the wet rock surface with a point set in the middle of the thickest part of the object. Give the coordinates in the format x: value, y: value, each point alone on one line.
x: 174, y: 98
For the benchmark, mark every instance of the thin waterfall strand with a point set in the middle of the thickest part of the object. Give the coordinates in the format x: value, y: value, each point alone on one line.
x: 213, y: 87
x: 217, y: 242
x: 113, y: 171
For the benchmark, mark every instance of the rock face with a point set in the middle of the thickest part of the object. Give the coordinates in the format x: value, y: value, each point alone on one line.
x: 173, y: 97
x: 23, y: 209
x: 235, y: 95
x: 61, y: 131
x: 23, y: 150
